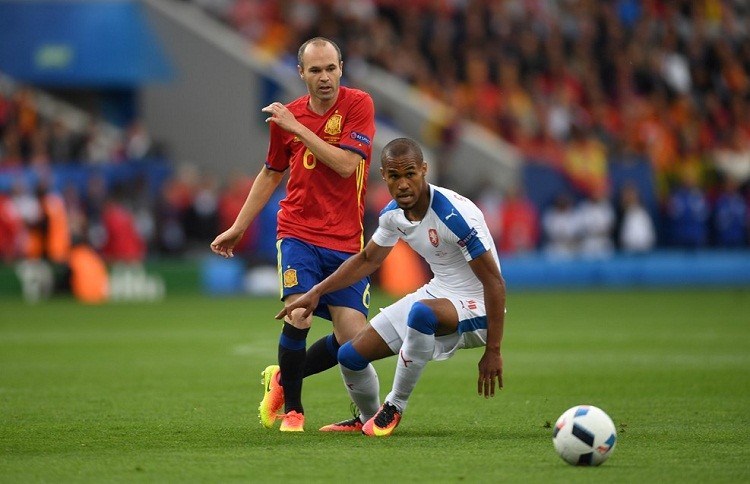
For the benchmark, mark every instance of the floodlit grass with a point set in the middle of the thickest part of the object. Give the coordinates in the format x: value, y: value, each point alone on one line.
x: 168, y: 393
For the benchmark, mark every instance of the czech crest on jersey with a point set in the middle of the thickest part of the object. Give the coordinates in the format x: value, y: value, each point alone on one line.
x: 333, y: 125
x: 433, y: 237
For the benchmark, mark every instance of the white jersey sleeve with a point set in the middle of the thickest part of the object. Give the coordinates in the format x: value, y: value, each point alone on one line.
x: 463, y: 222
x: 387, y: 234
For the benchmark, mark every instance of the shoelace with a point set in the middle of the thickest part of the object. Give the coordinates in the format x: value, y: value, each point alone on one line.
x: 385, y: 416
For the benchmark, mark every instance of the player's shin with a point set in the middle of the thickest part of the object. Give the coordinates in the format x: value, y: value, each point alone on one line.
x: 292, y: 361
x: 416, y: 351
x: 361, y: 381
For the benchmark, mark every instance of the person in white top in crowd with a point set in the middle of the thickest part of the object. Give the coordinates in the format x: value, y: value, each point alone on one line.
x: 596, y: 217
x: 637, y: 233
x: 561, y: 228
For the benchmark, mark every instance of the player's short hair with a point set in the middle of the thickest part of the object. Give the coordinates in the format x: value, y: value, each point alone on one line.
x: 316, y: 41
x: 401, y: 147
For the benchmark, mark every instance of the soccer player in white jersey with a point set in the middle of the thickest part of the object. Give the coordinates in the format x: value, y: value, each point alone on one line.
x: 463, y: 306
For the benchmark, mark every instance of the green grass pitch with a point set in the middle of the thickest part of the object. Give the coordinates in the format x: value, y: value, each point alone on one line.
x: 168, y: 392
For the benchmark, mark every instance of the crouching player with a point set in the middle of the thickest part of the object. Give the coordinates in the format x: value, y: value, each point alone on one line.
x: 463, y: 306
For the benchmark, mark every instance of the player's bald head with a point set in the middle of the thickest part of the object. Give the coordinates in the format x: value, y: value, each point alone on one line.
x: 400, y: 148
x: 319, y: 42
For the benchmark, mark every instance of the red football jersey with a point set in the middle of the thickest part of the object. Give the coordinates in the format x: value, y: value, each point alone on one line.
x: 320, y: 207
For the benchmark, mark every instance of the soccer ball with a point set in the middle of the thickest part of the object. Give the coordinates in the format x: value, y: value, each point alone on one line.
x: 584, y: 436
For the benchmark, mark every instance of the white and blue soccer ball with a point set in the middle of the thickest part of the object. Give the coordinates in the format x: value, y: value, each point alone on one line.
x: 584, y: 436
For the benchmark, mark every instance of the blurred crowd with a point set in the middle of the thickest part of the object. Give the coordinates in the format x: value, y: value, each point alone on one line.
x: 577, y: 86
x: 29, y: 138
x: 59, y: 189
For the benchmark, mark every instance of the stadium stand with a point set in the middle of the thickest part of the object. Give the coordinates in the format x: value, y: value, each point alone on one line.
x: 647, y: 97
x: 603, y: 93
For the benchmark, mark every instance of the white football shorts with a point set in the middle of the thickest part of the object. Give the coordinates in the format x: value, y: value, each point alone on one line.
x: 390, y: 322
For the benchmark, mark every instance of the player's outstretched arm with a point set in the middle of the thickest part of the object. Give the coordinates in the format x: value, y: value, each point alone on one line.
x: 225, y: 242
x: 491, y: 363
x: 263, y: 187
x: 352, y: 270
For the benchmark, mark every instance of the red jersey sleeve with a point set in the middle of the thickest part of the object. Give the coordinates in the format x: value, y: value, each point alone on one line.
x: 278, y: 149
x: 359, y: 129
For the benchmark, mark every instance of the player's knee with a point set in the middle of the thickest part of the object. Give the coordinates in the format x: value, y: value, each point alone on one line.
x: 350, y: 358
x: 296, y: 319
x: 422, y: 318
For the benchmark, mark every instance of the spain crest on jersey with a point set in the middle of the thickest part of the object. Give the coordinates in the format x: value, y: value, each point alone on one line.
x: 333, y: 125
x: 433, y: 237
x: 290, y: 278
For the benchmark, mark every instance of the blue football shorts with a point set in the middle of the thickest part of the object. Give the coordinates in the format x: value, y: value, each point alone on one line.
x: 302, y: 265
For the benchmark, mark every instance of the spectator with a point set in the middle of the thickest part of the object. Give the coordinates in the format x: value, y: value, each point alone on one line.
x: 99, y: 148
x: 733, y: 159
x: 173, y: 206
x: 49, y: 236
x: 201, y: 215
x: 170, y: 230
x: 95, y: 200
x: 122, y: 242
x: 138, y: 142
x: 25, y: 204
x: 76, y: 209
x: 12, y: 230
x: 688, y: 212
x: 62, y: 143
x: 561, y: 227
x: 519, y: 231
x: 730, y: 216
x: 10, y: 149
x: 490, y: 202
x: 597, y: 221
x: 636, y: 233
x: 141, y: 202
x: 39, y: 149
x: 6, y: 111
x: 27, y: 114
x: 585, y: 163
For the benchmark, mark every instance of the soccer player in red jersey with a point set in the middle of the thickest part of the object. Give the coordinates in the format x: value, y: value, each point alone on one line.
x: 324, y: 139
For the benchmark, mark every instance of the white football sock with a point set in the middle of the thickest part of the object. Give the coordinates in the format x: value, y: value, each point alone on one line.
x: 415, y: 353
x: 364, y: 389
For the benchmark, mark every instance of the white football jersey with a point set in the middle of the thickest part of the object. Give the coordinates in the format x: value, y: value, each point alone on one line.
x: 452, y: 233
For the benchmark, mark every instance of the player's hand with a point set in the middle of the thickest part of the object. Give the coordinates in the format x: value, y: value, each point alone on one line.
x: 490, y: 374
x: 281, y: 115
x: 308, y: 301
x: 224, y: 243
